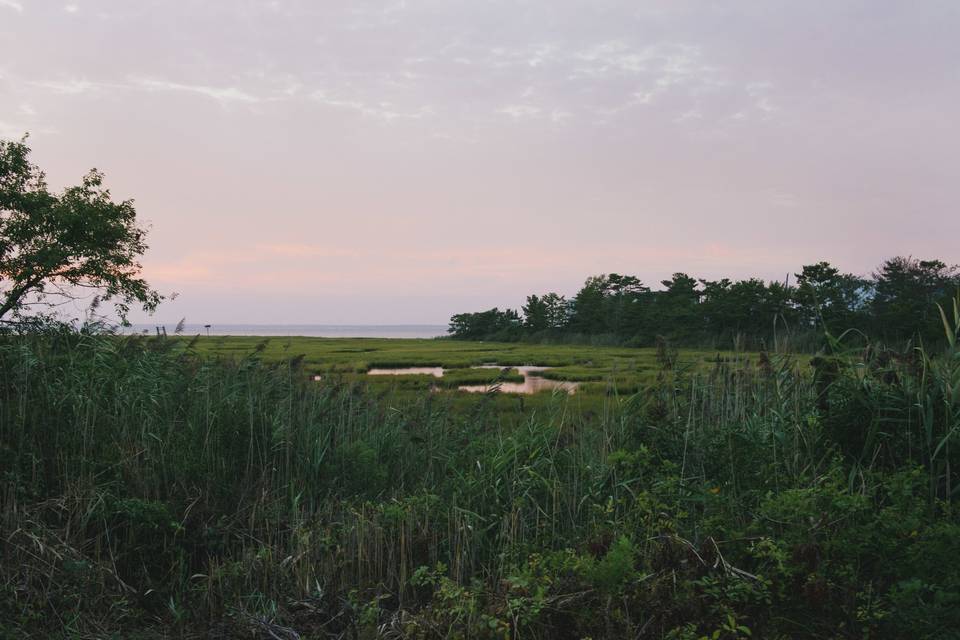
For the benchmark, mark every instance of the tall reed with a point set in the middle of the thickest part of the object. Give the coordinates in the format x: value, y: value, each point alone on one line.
x: 144, y: 485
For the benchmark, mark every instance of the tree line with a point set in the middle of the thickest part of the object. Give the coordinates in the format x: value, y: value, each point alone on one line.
x: 897, y: 302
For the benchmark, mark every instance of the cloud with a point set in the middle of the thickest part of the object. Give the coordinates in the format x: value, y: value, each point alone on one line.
x: 624, y: 76
x: 375, y: 17
x: 12, y: 4
x: 540, y: 54
x: 73, y: 86
x: 667, y: 64
x: 691, y: 114
x: 613, y: 56
x: 601, y: 80
x: 517, y: 112
x: 79, y: 86
x: 220, y: 94
x: 520, y: 111
x: 759, y: 92
x: 531, y: 57
x: 71, y: 8
x: 286, y: 88
x: 384, y: 111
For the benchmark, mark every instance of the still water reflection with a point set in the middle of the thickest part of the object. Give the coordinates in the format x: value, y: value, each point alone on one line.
x: 436, y: 372
x: 532, y: 382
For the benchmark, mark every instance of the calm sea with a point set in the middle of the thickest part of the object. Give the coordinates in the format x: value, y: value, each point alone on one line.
x: 313, y: 330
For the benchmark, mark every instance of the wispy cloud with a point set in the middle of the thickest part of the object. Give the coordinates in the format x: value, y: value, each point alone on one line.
x: 12, y: 4
x: 365, y: 18
x: 543, y: 81
x: 614, y: 56
x: 690, y: 114
x: 220, y: 94
x: 520, y: 111
x: 72, y: 86
x: 607, y: 78
x: 384, y: 111
x: 759, y: 92
x: 533, y: 55
x: 667, y: 63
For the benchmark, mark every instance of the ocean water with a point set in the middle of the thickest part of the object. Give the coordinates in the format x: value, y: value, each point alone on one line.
x: 312, y: 330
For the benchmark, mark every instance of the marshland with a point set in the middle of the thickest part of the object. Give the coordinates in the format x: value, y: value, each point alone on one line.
x: 213, y: 487
x: 541, y: 320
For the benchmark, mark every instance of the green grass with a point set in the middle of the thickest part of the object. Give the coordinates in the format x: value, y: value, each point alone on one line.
x: 603, y: 371
x: 360, y: 354
x: 608, y: 376
x: 154, y: 489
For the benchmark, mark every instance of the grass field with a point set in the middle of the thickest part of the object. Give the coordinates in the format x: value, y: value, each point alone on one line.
x: 603, y: 368
x: 602, y: 373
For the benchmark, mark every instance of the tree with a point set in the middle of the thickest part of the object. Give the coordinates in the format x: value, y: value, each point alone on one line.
x: 623, y: 308
x: 586, y: 308
x: 899, y: 302
x: 715, y: 305
x: 557, y: 310
x: 906, y: 293
x: 535, y: 316
x: 55, y: 246
x: 545, y: 313
x: 747, y: 308
x: 607, y: 304
x: 492, y: 324
x: 825, y: 296
x: 676, y: 309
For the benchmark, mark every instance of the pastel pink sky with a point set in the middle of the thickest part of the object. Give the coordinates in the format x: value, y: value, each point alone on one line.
x: 400, y: 161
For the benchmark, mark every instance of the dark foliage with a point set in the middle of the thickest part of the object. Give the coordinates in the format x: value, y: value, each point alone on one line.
x: 896, y: 304
x: 57, y: 247
x: 149, y: 492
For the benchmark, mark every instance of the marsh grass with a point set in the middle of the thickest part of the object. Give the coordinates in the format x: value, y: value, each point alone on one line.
x: 159, y: 484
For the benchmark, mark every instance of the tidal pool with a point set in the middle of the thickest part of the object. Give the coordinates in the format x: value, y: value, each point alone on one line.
x: 532, y: 383
x: 436, y: 372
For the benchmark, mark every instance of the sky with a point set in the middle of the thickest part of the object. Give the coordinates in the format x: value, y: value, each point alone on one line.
x: 400, y: 161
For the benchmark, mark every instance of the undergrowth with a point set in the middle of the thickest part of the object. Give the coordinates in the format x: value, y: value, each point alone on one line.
x: 148, y: 491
